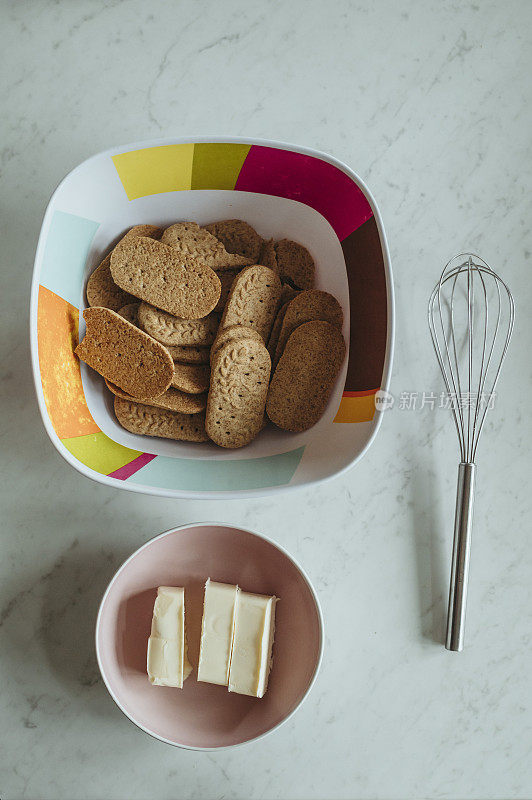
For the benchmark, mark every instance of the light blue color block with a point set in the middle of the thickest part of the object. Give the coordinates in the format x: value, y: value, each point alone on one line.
x: 204, y: 475
x: 65, y: 255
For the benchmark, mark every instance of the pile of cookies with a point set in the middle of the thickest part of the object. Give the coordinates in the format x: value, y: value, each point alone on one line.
x: 205, y: 333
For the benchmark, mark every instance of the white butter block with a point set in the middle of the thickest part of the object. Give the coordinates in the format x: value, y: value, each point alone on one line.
x: 251, y: 659
x: 168, y: 663
x: 217, y: 632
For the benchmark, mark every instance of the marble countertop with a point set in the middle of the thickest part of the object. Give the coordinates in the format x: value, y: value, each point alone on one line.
x: 431, y: 104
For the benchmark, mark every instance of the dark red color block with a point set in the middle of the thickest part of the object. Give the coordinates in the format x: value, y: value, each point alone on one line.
x: 368, y: 307
x: 309, y: 180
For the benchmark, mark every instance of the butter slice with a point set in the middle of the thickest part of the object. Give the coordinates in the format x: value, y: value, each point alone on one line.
x: 168, y: 663
x: 217, y: 632
x: 252, y: 644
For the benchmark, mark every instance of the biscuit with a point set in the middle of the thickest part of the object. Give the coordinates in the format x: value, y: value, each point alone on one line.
x: 306, y: 306
x: 268, y: 257
x: 276, y: 330
x: 191, y: 378
x: 226, y: 279
x: 172, y: 399
x: 288, y: 293
x: 188, y: 354
x: 295, y: 264
x: 124, y: 354
x: 101, y: 288
x: 131, y: 313
x: 164, y: 277
x: 150, y: 421
x: 171, y: 330
x: 233, y: 332
x: 305, y: 375
x: 253, y: 300
x: 189, y: 239
x: 237, y: 236
x: 103, y: 292
x: 239, y: 385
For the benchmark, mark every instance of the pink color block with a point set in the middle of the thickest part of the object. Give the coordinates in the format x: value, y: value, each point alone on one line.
x: 202, y: 715
x: 309, y: 180
x: 127, y: 470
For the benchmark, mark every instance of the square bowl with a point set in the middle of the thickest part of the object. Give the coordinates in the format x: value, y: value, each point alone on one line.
x: 284, y: 192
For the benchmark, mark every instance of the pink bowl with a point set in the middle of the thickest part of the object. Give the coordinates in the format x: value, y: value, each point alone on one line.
x: 201, y: 715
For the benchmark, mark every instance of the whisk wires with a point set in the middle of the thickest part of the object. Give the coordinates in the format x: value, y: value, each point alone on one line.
x: 470, y: 356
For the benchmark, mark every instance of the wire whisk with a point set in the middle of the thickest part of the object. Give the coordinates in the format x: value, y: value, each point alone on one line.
x: 470, y: 344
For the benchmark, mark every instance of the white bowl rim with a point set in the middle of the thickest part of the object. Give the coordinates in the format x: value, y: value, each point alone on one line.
x: 321, y: 622
x: 231, y: 494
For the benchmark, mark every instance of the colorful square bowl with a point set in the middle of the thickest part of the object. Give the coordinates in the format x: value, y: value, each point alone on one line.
x: 284, y: 191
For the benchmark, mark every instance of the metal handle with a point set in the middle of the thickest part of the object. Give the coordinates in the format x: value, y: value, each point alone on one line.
x: 460, y: 566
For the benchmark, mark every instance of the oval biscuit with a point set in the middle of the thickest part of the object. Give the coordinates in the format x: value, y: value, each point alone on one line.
x: 237, y: 236
x: 101, y: 289
x: 146, y: 420
x: 124, y: 354
x: 237, y: 396
x: 267, y: 255
x: 191, y: 378
x: 171, y: 330
x: 172, y: 399
x: 304, y: 307
x: 188, y: 354
x: 295, y: 264
x: 131, y: 313
x: 188, y: 238
x: 164, y: 277
x: 226, y: 280
x: 253, y: 300
x: 305, y: 375
x: 233, y: 332
x: 276, y: 330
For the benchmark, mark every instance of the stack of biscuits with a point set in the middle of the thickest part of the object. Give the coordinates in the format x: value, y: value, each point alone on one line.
x: 203, y: 333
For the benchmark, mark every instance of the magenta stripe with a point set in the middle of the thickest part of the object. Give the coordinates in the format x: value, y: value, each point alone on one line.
x: 128, y: 470
x: 309, y: 180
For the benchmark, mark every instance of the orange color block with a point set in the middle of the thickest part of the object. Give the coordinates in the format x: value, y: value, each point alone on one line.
x: 57, y: 335
x: 356, y: 407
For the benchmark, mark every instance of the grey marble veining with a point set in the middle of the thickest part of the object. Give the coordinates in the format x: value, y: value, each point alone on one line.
x: 431, y: 104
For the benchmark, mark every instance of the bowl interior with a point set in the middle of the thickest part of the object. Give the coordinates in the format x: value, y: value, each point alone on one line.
x: 273, y: 217
x: 282, y: 191
x: 203, y: 715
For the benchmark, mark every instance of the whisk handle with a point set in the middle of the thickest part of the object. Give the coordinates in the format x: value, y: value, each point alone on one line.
x: 460, y: 564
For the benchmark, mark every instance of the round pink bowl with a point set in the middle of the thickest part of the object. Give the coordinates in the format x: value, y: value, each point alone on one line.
x: 202, y: 716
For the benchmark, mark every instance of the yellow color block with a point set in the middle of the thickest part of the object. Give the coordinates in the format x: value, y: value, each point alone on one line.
x: 100, y: 453
x: 360, y: 408
x: 154, y: 170
x: 218, y: 165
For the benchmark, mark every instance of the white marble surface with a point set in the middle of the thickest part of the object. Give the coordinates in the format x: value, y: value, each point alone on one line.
x: 431, y: 103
